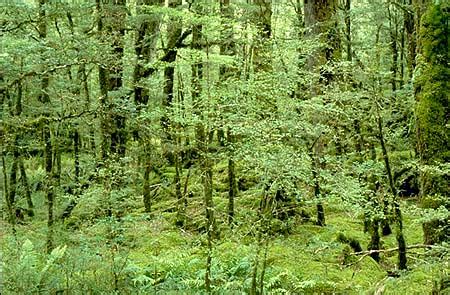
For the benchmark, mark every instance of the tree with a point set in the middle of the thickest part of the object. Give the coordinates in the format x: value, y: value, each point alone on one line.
x: 432, y: 114
x: 110, y: 22
x: 320, y: 21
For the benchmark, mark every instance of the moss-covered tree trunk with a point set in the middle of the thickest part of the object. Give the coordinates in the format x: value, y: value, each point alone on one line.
x: 110, y: 25
x: 320, y: 20
x: 432, y: 90
x: 48, y: 150
x: 174, y: 31
x: 147, y: 32
x: 228, y: 47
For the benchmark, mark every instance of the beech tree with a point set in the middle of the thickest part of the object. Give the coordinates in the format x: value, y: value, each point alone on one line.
x: 208, y: 146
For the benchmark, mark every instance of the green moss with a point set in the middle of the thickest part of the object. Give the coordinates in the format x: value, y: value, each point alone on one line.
x: 432, y: 94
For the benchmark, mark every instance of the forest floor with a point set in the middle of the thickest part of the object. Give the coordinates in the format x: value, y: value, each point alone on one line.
x: 308, y: 259
x: 147, y: 253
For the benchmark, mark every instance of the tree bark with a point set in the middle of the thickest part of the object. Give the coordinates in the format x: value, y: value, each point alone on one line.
x: 228, y: 47
x: 174, y: 32
x: 110, y: 23
x: 11, y: 202
x: 431, y: 88
x: 320, y: 21
x: 397, y: 212
x: 348, y: 31
x: 263, y: 19
x: 26, y: 185
x: 393, y: 32
x: 48, y: 150
x: 146, y: 185
x: 232, y: 184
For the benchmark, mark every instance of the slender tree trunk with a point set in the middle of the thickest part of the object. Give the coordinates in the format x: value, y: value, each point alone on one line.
x: 232, y: 184
x: 203, y: 142
x: 146, y: 185
x: 397, y: 212
x: 146, y: 38
x: 13, y: 186
x: 87, y: 96
x: 21, y: 165
x: 103, y: 100
x: 56, y: 159
x: 348, y: 32
x: 48, y: 150
x: 228, y: 47
x: 393, y: 32
x: 300, y: 88
x: 411, y: 38
x: 210, y: 221
x: 315, y: 169
x: 26, y: 185
x: 320, y: 209
x: 76, y: 163
x: 254, y: 286
x: 402, y: 57
x: 181, y: 215
x: 49, y: 186
x: 11, y: 215
x: 116, y: 21
x: 174, y: 31
x: 264, y: 267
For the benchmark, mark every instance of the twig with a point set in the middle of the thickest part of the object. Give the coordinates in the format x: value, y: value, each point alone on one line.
x: 418, y: 246
x: 369, y: 252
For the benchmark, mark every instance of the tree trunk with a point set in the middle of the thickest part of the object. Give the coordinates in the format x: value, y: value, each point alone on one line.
x: 174, y: 31
x: 410, y: 38
x: 146, y: 37
x: 11, y: 215
x: 146, y: 186
x: 374, y: 240
x: 348, y: 32
x: 263, y: 19
x: 48, y: 150
x: 23, y: 175
x: 11, y: 201
x: 397, y: 212
x: 432, y: 114
x: 315, y: 169
x: 232, y: 184
x: 393, y: 32
x: 320, y: 21
x: 181, y: 214
x: 228, y: 47
x: 26, y: 185
x: 111, y: 22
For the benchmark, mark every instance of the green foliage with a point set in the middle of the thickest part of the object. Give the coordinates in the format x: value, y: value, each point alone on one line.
x: 274, y: 110
x: 27, y: 272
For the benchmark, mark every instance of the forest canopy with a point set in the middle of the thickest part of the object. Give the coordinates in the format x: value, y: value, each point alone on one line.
x: 224, y: 146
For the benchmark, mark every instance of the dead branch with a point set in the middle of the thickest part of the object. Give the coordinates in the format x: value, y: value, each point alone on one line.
x: 418, y: 246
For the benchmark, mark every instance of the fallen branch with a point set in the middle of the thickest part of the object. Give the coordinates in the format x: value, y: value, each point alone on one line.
x: 369, y: 252
x: 418, y: 246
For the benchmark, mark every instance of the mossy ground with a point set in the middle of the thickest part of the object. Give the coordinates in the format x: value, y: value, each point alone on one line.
x: 152, y: 255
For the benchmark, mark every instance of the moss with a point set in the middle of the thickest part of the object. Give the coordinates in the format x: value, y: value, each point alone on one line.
x: 432, y: 95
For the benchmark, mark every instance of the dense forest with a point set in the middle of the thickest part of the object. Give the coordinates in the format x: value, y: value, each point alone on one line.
x: 224, y: 147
